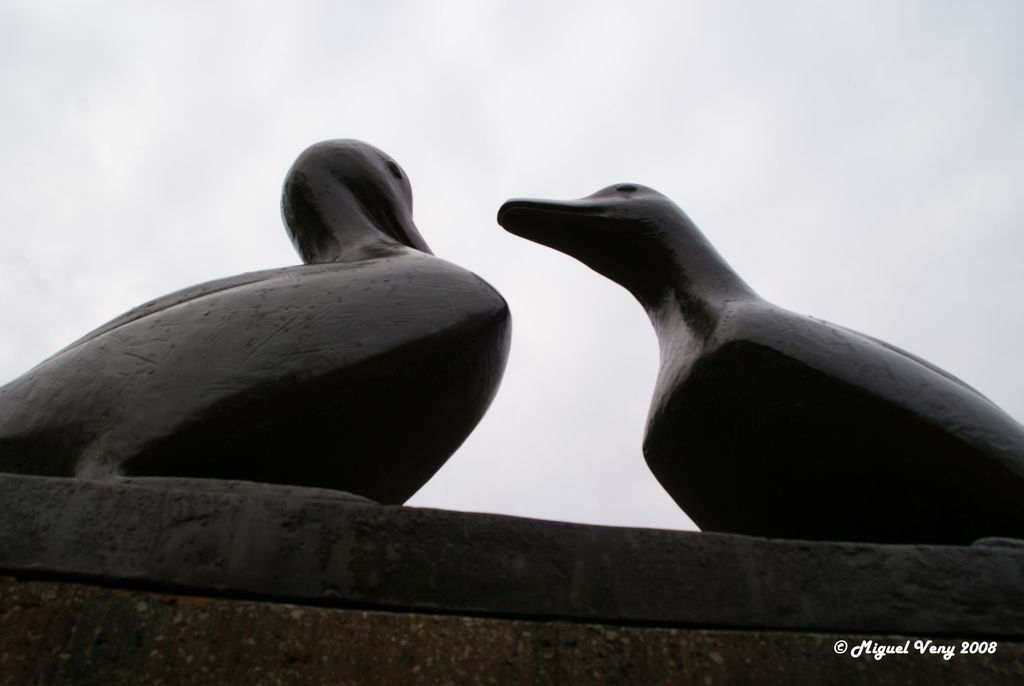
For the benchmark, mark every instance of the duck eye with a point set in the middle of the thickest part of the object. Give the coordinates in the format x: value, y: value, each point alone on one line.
x: 395, y: 171
x: 626, y: 188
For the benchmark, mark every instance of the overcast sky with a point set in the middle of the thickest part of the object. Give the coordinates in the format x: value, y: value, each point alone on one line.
x: 860, y: 161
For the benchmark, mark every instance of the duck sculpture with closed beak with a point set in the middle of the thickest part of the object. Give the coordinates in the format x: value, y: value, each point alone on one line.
x: 362, y: 370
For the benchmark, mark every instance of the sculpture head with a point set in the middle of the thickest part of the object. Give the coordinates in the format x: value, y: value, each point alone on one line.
x: 622, y: 231
x: 345, y: 199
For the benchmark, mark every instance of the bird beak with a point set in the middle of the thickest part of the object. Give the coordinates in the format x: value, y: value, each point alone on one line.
x: 541, y: 220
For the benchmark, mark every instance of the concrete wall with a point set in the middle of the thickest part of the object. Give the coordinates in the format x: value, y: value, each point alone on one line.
x: 162, y: 581
x: 66, y: 633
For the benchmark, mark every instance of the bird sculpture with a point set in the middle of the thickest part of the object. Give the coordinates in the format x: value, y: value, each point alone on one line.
x: 770, y: 423
x: 362, y: 370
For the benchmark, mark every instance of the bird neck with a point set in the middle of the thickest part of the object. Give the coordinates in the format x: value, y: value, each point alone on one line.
x: 359, y: 241
x: 694, y: 284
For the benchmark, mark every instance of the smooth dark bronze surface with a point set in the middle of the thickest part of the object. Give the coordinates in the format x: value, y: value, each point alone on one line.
x: 362, y: 370
x: 770, y: 423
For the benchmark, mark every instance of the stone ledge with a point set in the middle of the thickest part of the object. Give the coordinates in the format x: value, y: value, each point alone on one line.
x: 316, y: 548
x: 57, y: 633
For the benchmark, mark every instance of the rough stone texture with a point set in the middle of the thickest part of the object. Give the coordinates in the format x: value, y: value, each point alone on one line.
x: 64, y: 633
x: 315, y: 548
